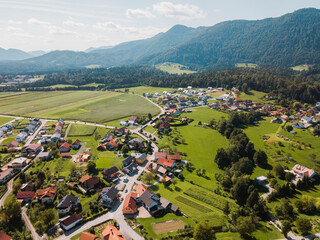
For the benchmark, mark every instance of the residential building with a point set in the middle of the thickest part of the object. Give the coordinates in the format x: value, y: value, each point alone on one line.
x: 65, y: 155
x: 88, y: 236
x: 5, y: 174
x: 131, y: 169
x: 21, y: 137
x: 112, y: 145
x: 127, y: 161
x: 18, y: 163
x: 46, y: 195
x: 130, y: 204
x: 120, y: 131
x: 302, y: 171
x: 65, y: 147
x: 140, y: 189
x: 136, y: 143
x: 276, y: 120
x: 70, y: 221
x: 89, y: 182
x: 67, y: 205
x: 112, y: 233
x: 44, y: 156
x: 27, y: 187
x: 4, y: 236
x: 25, y: 196
x: 109, y: 196
x: 160, y: 155
x: 110, y: 174
x: 76, y: 144
x: 166, y: 163
x: 140, y: 157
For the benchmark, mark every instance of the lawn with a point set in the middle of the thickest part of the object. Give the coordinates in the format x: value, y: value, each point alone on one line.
x: 81, y: 130
x: 4, y: 120
x: 174, y: 68
x: 91, y: 106
x: 145, y: 89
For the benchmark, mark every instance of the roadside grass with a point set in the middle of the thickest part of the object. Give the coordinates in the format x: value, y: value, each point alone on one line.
x: 91, y: 106
x: 81, y: 130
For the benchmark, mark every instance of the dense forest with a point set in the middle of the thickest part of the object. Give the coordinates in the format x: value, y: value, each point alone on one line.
x: 285, y: 83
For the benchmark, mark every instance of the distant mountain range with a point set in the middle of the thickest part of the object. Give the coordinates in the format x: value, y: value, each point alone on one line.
x: 289, y: 40
x: 16, y: 54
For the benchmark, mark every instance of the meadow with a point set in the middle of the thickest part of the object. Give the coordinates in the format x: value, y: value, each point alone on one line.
x: 91, y: 106
x: 174, y: 68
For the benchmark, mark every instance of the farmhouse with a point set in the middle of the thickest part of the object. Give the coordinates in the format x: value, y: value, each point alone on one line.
x: 46, y: 195
x: 71, y: 221
x: 109, y: 196
x: 67, y: 205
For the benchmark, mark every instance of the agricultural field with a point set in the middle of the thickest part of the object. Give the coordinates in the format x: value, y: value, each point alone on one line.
x: 174, y: 68
x: 91, y: 106
x: 146, y: 89
x: 81, y: 130
x: 4, y: 120
x: 254, y: 96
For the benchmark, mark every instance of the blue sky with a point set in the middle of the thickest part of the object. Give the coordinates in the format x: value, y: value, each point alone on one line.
x: 80, y: 24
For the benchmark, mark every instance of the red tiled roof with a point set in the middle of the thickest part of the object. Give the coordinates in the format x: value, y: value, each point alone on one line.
x: 76, y: 142
x: 25, y: 194
x: 65, y: 145
x: 140, y: 189
x: 166, y: 162
x: 89, y: 180
x: 129, y: 204
x: 67, y: 154
x: 88, y: 236
x: 161, y: 154
x: 4, y: 236
x: 174, y: 157
x: 112, y: 233
x: 47, y: 192
x: 167, y: 179
x: 113, y: 142
x: 34, y: 146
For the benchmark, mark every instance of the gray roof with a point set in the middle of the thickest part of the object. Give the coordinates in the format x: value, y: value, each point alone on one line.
x: 174, y: 207
x: 164, y: 202
x: 110, y: 192
x: 127, y: 160
x: 147, y: 199
x: 67, y: 201
x: 143, y: 156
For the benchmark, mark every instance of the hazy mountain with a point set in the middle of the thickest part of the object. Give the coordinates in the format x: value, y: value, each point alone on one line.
x: 289, y: 40
x: 13, y: 54
x: 98, y: 48
x: 37, y: 53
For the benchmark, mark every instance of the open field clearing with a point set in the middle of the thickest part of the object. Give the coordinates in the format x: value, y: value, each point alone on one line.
x: 174, y: 68
x: 169, y: 226
x: 4, y: 120
x: 81, y: 130
x: 88, y: 106
x: 145, y: 89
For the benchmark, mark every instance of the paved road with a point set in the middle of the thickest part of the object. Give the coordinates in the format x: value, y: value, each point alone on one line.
x: 9, y: 189
x: 30, y: 138
x: 34, y: 234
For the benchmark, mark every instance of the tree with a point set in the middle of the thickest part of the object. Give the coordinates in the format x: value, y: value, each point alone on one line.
x: 174, y: 181
x: 286, y: 227
x: 239, y: 191
x: 304, y: 225
x: 226, y: 208
x: 125, y: 149
x: 91, y: 167
x: 289, y: 128
x: 149, y: 116
x: 12, y: 210
x: 245, y: 225
x: 202, y: 231
x: 260, y: 158
x: 279, y: 171
x: 149, y: 177
x: 222, y: 159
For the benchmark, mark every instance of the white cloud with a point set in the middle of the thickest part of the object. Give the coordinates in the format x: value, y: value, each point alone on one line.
x: 106, y: 26
x: 180, y: 11
x: 71, y: 23
x: 13, y: 22
x: 36, y: 21
x: 56, y: 30
x: 139, y: 13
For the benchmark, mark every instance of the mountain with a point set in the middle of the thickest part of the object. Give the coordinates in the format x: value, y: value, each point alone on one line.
x: 13, y: 54
x: 36, y: 53
x: 290, y: 40
x: 98, y: 48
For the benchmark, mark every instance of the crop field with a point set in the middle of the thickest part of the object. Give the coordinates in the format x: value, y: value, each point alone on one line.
x: 81, y: 130
x: 88, y: 106
x: 169, y: 226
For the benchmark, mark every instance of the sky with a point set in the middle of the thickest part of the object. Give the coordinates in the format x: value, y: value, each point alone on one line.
x: 79, y: 24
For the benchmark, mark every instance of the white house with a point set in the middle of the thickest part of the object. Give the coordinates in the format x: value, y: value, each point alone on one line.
x: 70, y: 221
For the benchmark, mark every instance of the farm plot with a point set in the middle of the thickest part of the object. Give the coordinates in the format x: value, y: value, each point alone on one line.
x: 88, y: 106
x: 169, y: 226
x: 81, y: 130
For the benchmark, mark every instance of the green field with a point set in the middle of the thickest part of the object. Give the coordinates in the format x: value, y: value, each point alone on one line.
x: 4, y: 120
x: 145, y: 89
x: 91, y: 106
x: 303, y: 67
x: 174, y: 68
x: 254, y: 96
x: 81, y: 130
x: 246, y: 65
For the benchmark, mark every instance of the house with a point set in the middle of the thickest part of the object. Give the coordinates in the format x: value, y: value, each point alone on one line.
x: 5, y: 174
x: 101, y: 147
x: 261, y: 180
x: 133, y: 120
x: 106, y: 138
x: 33, y: 148
x: 164, y: 126
x: 166, y: 163
x: 306, y: 119
x: 46, y: 195
x: 9, y: 125
x: 85, y: 157
x: 25, y: 197
x: 120, y: 131
x: 151, y: 166
x: 67, y: 205
x: 285, y: 118
x: 124, y: 123
x: 12, y: 145
x: 162, y: 170
x: 176, y: 157
x: 130, y: 203
x: 112, y: 145
x: 65, y: 147
x: 130, y: 169
x: 55, y: 137
x: 160, y: 155
x: 76, y: 144
x: 167, y: 180
x: 4, y: 236
x: 150, y: 201
x: 302, y: 171
x: 70, y: 221
x: 136, y: 143
x: 88, y: 236
x: 89, y: 182
x: 66, y: 155
x: 110, y: 174
x: 112, y: 233
x: 27, y: 187
x: 141, y: 158
x: 298, y: 125
x: 127, y: 161
x: 140, y: 189
x: 276, y: 120
x: 21, y: 137
x: 18, y: 163
x: 109, y: 196
x: 44, y: 156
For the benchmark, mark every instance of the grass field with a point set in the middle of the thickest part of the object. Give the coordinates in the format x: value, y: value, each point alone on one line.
x: 246, y: 65
x: 4, y: 120
x: 174, y: 68
x: 81, y: 130
x: 145, y: 89
x: 254, y: 96
x: 88, y: 106
x: 303, y: 67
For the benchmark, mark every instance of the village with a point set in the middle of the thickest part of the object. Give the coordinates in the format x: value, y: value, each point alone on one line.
x: 119, y: 192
